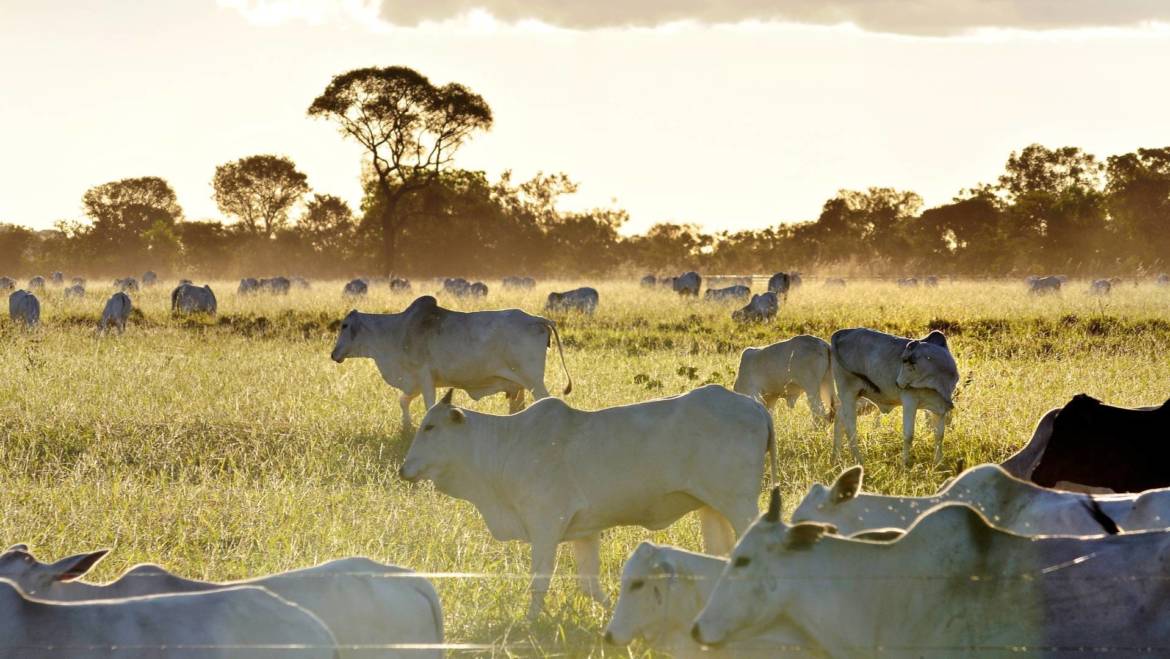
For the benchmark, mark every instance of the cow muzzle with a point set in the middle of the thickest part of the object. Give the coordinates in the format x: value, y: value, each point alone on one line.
x: 697, y: 635
x: 336, y: 356
x: 410, y: 472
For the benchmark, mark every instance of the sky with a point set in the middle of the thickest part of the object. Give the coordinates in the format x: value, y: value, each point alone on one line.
x: 725, y: 113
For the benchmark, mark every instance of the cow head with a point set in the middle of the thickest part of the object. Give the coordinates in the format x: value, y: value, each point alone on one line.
x: 928, y: 364
x: 35, y: 577
x: 827, y: 503
x: 431, y: 447
x: 643, y: 607
x: 752, y: 592
x: 347, y: 337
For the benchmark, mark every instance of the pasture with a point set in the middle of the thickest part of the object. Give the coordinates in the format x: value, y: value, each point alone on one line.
x: 233, y: 446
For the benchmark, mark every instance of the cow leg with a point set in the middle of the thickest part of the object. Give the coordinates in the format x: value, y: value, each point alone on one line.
x: 769, y: 400
x: 404, y: 400
x: 909, y: 410
x: 544, y: 563
x: 587, y: 553
x: 515, y: 400
x: 816, y: 404
x: 718, y: 535
x: 846, y: 423
x: 940, y: 426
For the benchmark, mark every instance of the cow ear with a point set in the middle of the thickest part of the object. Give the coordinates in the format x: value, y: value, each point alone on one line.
x: 879, y: 535
x: 447, y: 396
x: 18, y: 547
x: 456, y: 415
x: 910, y: 348
x: 74, y: 567
x: 936, y: 338
x: 847, y: 485
x: 665, y: 567
x: 805, y: 535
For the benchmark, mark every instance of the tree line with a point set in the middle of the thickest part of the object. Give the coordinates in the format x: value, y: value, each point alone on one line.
x: 1051, y: 210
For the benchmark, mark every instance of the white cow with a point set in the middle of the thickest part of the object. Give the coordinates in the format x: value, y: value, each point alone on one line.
x: 583, y: 300
x: 554, y: 474
x: 355, y: 288
x: 687, y: 284
x: 426, y: 346
x: 736, y: 292
x: 1044, y: 285
x: 1010, y: 503
x: 663, y: 589
x: 189, y: 298
x: 1100, y: 287
x: 763, y: 307
x: 363, y: 602
x: 787, y: 369
x: 233, y: 623
x: 126, y: 284
x: 248, y: 286
x: 24, y: 308
x: 116, y: 313
x: 149, y: 278
x: 952, y: 585
x: 76, y: 291
x: 7, y: 284
x: 889, y: 371
x: 36, y: 283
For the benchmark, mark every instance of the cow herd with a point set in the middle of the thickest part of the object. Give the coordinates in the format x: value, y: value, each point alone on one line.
x: 1058, y: 548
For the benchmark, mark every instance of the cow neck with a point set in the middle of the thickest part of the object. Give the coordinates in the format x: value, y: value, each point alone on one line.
x: 482, y: 459
x: 387, y: 329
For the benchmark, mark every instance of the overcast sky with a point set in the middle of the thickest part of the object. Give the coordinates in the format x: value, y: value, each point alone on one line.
x: 739, y: 113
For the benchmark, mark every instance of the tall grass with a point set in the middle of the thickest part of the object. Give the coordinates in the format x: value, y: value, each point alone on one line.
x: 233, y: 446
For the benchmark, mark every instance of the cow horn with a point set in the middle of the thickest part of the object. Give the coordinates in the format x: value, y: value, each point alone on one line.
x: 447, y: 397
x: 773, y: 514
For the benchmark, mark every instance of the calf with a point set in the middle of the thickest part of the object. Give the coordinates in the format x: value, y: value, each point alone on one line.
x: 583, y: 300
x: 787, y: 369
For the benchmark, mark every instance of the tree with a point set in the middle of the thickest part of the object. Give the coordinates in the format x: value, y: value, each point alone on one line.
x: 327, y: 224
x: 15, y: 242
x: 1139, y: 200
x: 410, y: 129
x: 260, y: 191
x: 132, y: 219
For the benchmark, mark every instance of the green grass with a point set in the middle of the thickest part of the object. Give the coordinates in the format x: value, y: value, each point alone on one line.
x: 234, y: 447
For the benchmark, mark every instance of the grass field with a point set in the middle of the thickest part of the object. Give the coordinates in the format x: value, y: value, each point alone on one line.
x: 234, y: 447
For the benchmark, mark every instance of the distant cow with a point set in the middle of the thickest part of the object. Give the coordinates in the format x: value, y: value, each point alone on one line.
x: 426, y: 346
x: 478, y: 289
x: 24, y: 308
x: 189, y: 298
x: 666, y: 282
x: 57, y: 278
x: 1101, y: 287
x: 76, y: 291
x: 185, y: 281
x: 1163, y: 279
x: 149, y: 278
x: 116, y: 313
x: 890, y: 371
x: 779, y: 284
x: 737, y: 292
x: 931, y: 281
x: 363, y: 602
x: 583, y: 299
x: 834, y: 282
x: 1089, y: 443
x: 248, y: 286
x: 1044, y: 285
x: 399, y: 285
x: 662, y: 590
x: 908, y: 282
x: 355, y: 288
x: 762, y: 308
x: 126, y: 285
x: 687, y: 284
x: 78, y: 281
x: 457, y: 286
x: 7, y: 284
x: 648, y: 281
x: 276, y: 285
x: 36, y: 283
x: 300, y: 282
x: 794, y: 280
x: 233, y: 623
x: 519, y: 283
x: 786, y: 370
x: 575, y: 473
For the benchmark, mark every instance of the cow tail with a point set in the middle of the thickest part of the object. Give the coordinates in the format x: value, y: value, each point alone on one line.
x: 829, y: 389
x: 552, y: 326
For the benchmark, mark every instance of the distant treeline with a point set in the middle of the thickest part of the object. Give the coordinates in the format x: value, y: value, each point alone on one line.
x: 1052, y: 210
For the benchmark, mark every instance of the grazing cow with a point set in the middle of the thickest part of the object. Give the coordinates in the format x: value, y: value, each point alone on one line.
x: 889, y: 371
x: 779, y: 284
x: 36, y: 283
x: 662, y: 590
x: 582, y: 299
x: 737, y: 292
x: 1015, y: 505
x: 399, y: 285
x: 794, y: 280
x: 116, y: 313
x: 57, y: 278
x: 189, y: 298
x: 300, y: 282
x: 24, y: 308
x: 457, y: 286
x: 248, y: 286
x: 787, y: 369
x: 553, y: 474
x: 276, y: 285
x: 7, y: 284
x: 78, y: 281
x: 687, y: 284
x: 243, y: 623
x: 363, y: 602
x: 931, y: 281
x: 908, y: 282
x: 762, y: 308
x: 478, y: 289
x: 126, y: 285
x: 951, y: 585
x: 519, y: 283
x: 1092, y: 444
x: 834, y: 282
x: 185, y: 281
x: 355, y: 288
x: 1163, y: 279
x: 426, y: 346
x: 149, y: 278
x: 1044, y: 285
x: 76, y: 291
x: 1101, y: 287
x: 649, y: 281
